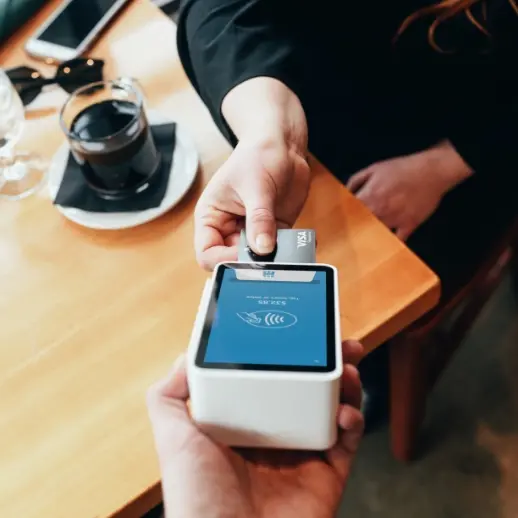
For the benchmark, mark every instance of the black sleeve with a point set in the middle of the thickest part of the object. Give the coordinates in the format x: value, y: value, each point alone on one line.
x: 484, y: 121
x: 484, y: 124
x: 222, y: 43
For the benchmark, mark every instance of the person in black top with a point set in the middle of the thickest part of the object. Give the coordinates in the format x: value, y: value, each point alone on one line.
x: 412, y: 104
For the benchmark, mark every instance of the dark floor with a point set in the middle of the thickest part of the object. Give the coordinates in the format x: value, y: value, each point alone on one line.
x: 469, y: 460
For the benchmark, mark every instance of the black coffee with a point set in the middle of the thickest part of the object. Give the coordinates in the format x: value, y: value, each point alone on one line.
x: 114, y: 146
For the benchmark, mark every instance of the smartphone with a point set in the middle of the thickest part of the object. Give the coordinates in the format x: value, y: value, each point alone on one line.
x: 71, y: 29
x: 271, y: 317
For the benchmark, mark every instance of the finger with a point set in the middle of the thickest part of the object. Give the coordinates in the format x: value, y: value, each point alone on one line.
x: 210, y: 228
x: 168, y: 412
x: 351, y: 387
x: 217, y: 254
x: 403, y: 233
x: 175, y: 386
x: 172, y: 387
x: 235, y: 237
x: 261, y: 227
x: 358, y: 180
x: 351, y: 424
x: 284, y: 225
x: 352, y: 351
x: 341, y: 455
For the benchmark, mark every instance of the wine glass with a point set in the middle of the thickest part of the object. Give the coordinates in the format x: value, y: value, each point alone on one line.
x: 21, y: 174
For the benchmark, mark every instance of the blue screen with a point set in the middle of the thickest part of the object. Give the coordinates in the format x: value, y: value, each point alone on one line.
x: 270, y: 322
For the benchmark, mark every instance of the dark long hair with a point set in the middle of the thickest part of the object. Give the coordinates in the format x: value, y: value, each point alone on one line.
x: 447, y: 9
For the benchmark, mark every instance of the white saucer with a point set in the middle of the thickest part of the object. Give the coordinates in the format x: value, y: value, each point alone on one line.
x: 183, y: 173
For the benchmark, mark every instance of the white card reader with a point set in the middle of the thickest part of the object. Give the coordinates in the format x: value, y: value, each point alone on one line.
x: 265, y: 356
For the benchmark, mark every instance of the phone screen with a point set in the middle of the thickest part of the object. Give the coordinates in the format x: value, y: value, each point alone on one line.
x: 274, y: 318
x: 76, y: 22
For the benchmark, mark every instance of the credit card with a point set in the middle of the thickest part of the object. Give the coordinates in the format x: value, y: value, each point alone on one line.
x: 293, y: 246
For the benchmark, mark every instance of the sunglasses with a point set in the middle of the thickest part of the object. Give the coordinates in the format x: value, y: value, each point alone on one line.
x: 70, y: 76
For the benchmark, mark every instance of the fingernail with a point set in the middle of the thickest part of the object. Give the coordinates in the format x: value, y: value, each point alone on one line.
x: 264, y: 243
x: 343, y: 419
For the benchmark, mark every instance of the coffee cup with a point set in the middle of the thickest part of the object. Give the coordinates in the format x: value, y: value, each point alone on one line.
x: 109, y: 136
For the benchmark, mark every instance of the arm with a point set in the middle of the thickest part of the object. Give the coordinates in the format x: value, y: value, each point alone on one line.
x: 275, y: 114
x: 239, y: 56
x: 485, y: 131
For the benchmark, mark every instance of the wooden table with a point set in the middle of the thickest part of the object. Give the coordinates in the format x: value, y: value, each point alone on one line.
x: 89, y: 319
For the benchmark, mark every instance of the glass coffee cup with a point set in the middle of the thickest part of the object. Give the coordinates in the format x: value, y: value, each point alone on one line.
x: 110, y: 138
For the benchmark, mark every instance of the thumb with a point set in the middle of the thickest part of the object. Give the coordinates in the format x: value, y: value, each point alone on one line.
x: 172, y: 391
x: 261, y: 227
x: 169, y: 414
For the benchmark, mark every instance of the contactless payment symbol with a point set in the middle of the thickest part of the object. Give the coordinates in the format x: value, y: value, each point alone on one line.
x: 268, y: 319
x: 268, y: 274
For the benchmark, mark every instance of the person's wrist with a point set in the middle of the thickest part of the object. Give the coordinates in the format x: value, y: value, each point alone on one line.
x: 179, y: 492
x: 448, y: 166
x: 188, y: 483
x: 265, y: 112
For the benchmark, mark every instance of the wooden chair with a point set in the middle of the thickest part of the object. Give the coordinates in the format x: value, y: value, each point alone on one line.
x: 419, y: 354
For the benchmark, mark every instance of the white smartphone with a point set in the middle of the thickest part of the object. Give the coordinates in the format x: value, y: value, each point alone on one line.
x: 71, y: 29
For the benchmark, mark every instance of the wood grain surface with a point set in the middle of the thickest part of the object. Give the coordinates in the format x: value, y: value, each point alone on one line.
x: 89, y: 319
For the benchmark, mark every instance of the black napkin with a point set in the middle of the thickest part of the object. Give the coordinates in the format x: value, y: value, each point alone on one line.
x: 75, y: 192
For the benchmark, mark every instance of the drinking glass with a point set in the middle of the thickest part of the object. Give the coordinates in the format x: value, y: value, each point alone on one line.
x: 110, y: 138
x: 21, y: 174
